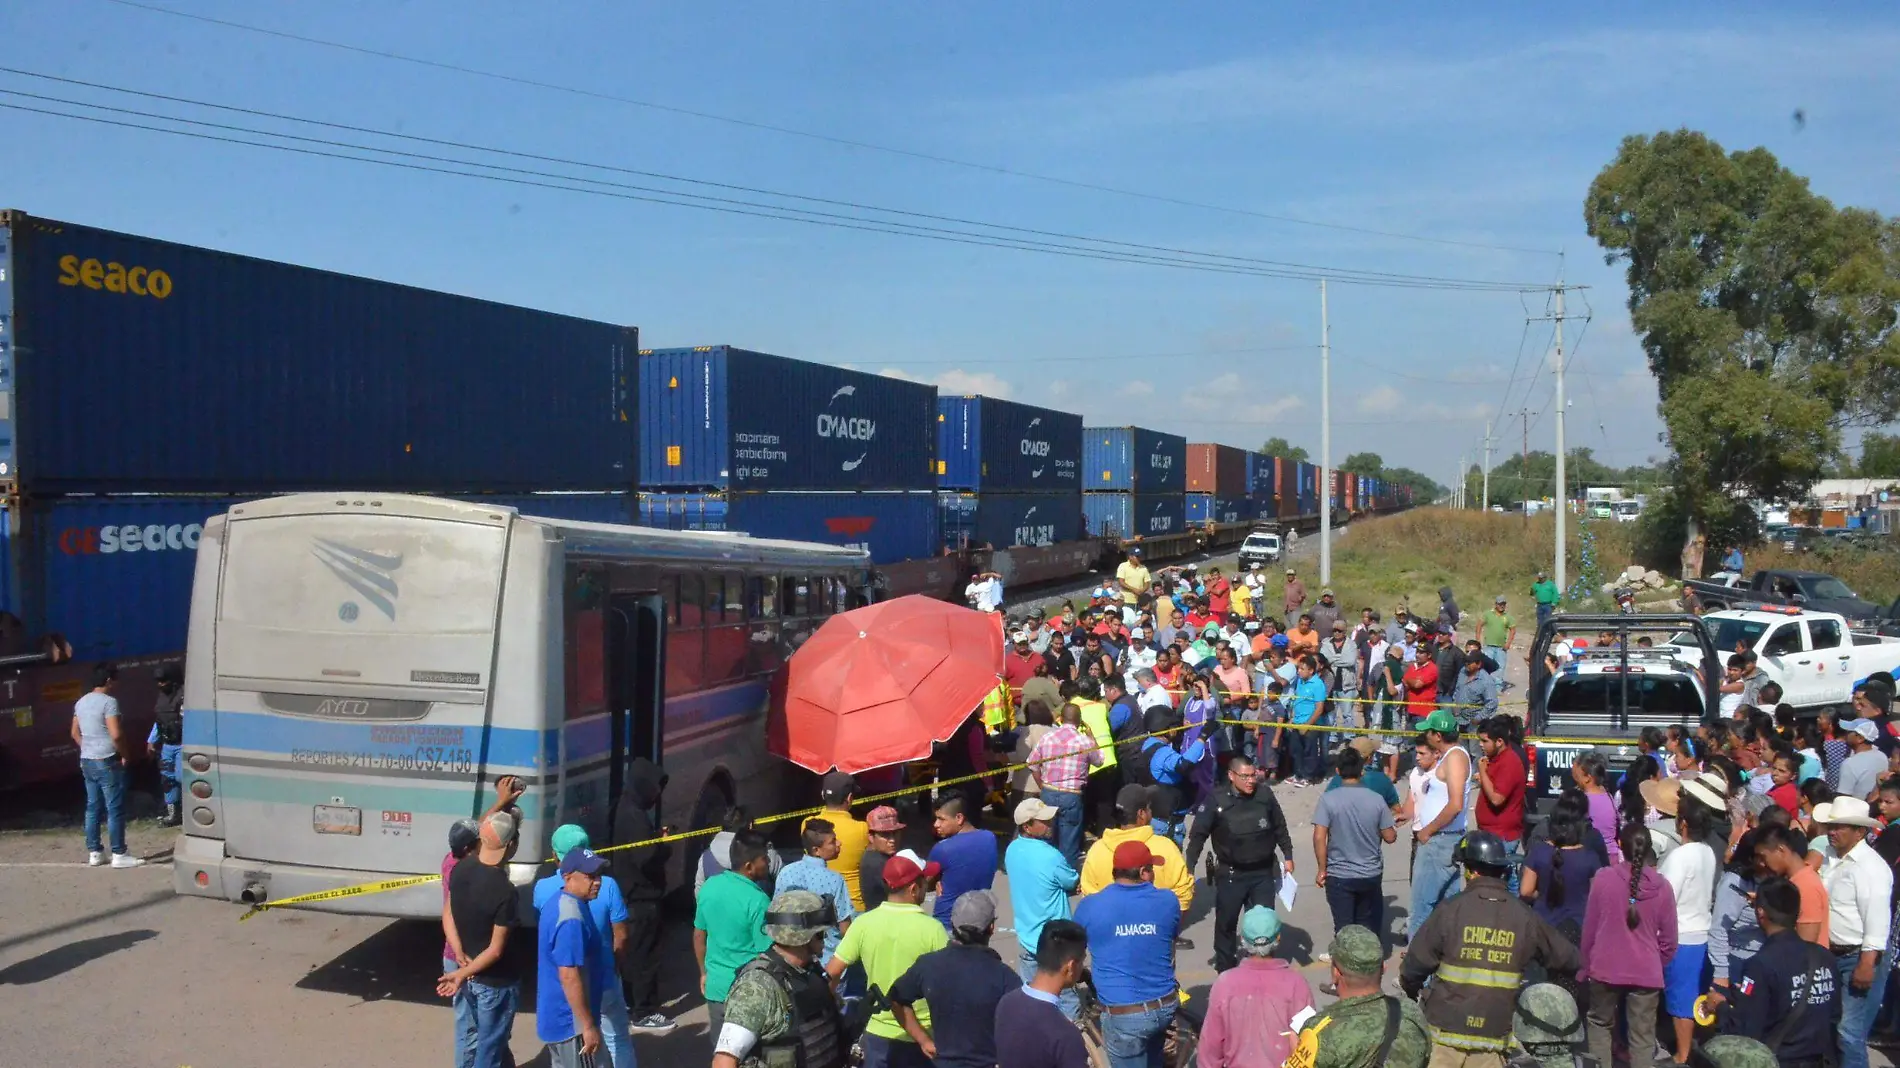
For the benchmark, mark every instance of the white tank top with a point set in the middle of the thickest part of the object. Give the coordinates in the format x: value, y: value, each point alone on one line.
x: 1428, y: 796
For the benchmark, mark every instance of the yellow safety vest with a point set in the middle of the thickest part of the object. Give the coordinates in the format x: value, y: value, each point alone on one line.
x: 1095, y: 720
x: 996, y: 709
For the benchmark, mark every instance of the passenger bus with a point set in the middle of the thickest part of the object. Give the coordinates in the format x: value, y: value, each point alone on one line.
x: 361, y: 669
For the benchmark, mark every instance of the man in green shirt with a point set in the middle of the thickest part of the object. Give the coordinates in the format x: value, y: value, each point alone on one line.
x: 887, y: 940
x: 1498, y: 631
x: 1544, y: 592
x: 729, y: 921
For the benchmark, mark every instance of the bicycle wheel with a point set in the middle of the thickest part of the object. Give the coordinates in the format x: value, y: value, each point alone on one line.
x: 1088, y: 1019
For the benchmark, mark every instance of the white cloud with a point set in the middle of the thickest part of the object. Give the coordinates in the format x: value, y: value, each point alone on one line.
x: 1382, y: 401
x: 1137, y: 388
x: 957, y: 381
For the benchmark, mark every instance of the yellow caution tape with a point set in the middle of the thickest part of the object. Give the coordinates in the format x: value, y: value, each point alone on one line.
x: 346, y: 891
x: 1413, y: 733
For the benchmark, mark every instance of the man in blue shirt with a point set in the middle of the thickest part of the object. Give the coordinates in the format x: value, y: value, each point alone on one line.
x: 967, y: 853
x: 574, y: 965
x: 608, y: 912
x: 1306, y: 703
x: 1131, y: 924
x: 1040, y: 882
x: 812, y: 872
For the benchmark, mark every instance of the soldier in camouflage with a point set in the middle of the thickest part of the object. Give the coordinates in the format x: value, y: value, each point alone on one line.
x: 1365, y: 1027
x: 1548, y: 1030
x: 780, y: 1013
x: 1737, y: 1051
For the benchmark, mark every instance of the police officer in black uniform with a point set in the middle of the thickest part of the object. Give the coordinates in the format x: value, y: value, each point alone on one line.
x: 1246, y: 826
x: 1785, y: 995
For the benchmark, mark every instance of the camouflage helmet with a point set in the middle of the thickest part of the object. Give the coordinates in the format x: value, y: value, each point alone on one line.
x: 1734, y: 1051
x: 795, y: 917
x: 1547, y: 1020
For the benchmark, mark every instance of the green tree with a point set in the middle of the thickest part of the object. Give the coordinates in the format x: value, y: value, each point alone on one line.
x: 1363, y: 464
x: 1767, y: 315
x: 1282, y: 448
x: 1879, y: 456
x: 1425, y: 489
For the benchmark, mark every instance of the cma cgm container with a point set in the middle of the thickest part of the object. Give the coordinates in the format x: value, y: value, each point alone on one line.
x: 134, y: 365
x: 1204, y: 508
x: 889, y: 526
x: 988, y: 444
x: 722, y: 418
x: 1122, y: 458
x: 1217, y: 469
x: 1134, y: 515
x: 1260, y: 471
x: 112, y: 575
x: 1005, y: 520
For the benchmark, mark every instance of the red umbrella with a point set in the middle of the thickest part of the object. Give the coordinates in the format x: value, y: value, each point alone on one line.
x: 878, y: 685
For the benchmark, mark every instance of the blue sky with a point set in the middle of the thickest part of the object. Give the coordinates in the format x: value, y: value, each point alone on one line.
x: 1479, y: 124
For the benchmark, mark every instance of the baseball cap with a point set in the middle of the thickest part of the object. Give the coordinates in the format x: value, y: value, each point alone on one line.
x: 567, y: 838
x: 1259, y: 926
x: 1366, y: 746
x: 1356, y: 950
x: 906, y: 868
x: 1440, y: 721
x: 792, y: 918
x: 464, y: 834
x: 1137, y: 633
x: 973, y: 908
x: 1034, y: 808
x: 1133, y: 798
x: 838, y: 783
x: 1131, y: 855
x: 1444, y: 628
x: 1134, y: 550
x: 1255, y: 567
x: 883, y: 819
x: 1290, y: 571
x: 1021, y: 637
x: 498, y: 829
x: 1501, y: 599
x: 1411, y: 628
x: 1281, y: 641
x: 1866, y: 728
x: 1327, y: 592
x: 583, y: 860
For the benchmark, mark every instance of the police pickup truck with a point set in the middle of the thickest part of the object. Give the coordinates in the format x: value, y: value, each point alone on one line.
x: 1604, y: 695
x: 1261, y: 547
x: 1815, y: 656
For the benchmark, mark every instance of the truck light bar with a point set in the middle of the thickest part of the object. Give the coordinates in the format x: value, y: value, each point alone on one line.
x: 1777, y: 609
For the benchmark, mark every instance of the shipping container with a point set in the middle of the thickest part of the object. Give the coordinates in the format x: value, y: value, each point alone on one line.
x: 1204, y: 508
x: 1122, y: 458
x: 1134, y: 515
x: 724, y: 418
x: 986, y: 444
x: 889, y: 526
x: 1260, y: 471
x: 112, y: 575
x: 134, y: 365
x: 1006, y: 520
x: 1217, y: 469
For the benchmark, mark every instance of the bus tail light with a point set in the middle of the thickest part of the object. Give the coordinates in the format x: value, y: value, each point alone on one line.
x: 203, y: 879
x: 198, y: 762
x: 200, y: 789
x: 203, y: 816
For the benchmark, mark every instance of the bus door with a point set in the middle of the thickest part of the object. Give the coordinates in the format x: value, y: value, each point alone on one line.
x: 636, y: 684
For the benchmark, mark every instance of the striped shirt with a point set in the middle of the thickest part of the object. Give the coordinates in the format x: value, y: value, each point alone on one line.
x: 1063, y: 757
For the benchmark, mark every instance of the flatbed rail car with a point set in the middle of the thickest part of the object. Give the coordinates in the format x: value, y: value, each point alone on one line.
x: 360, y: 669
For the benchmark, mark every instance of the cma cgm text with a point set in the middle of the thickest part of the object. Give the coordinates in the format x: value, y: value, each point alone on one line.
x: 114, y: 277
x: 838, y: 426
x: 129, y: 538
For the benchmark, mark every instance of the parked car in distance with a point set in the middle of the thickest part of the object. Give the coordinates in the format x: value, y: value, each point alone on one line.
x: 1812, y: 590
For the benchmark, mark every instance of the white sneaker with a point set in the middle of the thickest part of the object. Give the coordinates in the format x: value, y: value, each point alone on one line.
x: 95, y: 859
x: 1323, y: 958
x: 655, y: 1024
x: 126, y: 860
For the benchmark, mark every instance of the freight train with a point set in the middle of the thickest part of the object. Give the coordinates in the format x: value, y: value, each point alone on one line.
x: 146, y: 386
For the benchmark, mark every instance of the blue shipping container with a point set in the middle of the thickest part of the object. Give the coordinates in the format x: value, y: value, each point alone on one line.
x: 1134, y: 515
x: 134, y: 365
x: 721, y: 418
x: 988, y: 444
x: 113, y: 574
x: 1260, y: 477
x: 1004, y: 520
x: 1133, y: 458
x: 1204, y: 508
x: 890, y: 526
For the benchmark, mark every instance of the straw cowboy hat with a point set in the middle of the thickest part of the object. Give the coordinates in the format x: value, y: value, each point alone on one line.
x: 1851, y: 811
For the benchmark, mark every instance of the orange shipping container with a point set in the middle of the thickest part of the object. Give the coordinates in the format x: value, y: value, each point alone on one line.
x: 1217, y: 469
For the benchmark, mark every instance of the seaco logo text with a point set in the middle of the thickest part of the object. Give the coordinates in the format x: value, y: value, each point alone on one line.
x: 114, y: 277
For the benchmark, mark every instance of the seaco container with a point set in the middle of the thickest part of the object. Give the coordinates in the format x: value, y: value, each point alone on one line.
x: 1005, y: 520
x: 1260, y: 475
x: 890, y: 526
x: 112, y: 575
x: 1134, y: 515
x: 1217, y: 469
x: 988, y: 444
x: 134, y: 365
x: 1122, y: 458
x: 721, y: 418
x: 1205, y: 508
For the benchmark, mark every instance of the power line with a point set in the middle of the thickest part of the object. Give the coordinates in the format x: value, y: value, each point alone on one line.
x: 813, y: 135
x: 1118, y: 251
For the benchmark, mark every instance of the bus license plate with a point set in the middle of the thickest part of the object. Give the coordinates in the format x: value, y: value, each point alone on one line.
x: 337, y: 819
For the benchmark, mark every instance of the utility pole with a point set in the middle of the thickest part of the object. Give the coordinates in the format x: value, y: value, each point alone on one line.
x: 1524, y: 467
x: 1463, y: 473
x: 1562, y: 496
x: 1487, y: 465
x: 1325, y: 442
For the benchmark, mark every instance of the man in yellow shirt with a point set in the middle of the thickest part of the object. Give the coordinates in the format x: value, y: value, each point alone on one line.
x: 1243, y: 600
x: 1132, y: 577
x: 1132, y: 807
x: 853, y: 835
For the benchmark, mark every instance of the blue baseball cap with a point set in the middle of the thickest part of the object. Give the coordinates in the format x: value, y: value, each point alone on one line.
x: 1280, y: 641
x: 583, y: 860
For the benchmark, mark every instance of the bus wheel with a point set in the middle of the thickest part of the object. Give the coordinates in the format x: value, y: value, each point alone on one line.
x: 714, y: 799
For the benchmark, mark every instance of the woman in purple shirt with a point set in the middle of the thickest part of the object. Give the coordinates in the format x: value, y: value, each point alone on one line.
x: 1629, y: 934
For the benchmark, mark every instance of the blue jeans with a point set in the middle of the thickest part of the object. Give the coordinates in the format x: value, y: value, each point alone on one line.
x: 105, y: 795
x: 1069, y: 1001
x: 1069, y: 818
x: 1857, y: 1009
x: 1514, y: 851
x: 615, y: 1026
x: 893, y: 1053
x: 1496, y: 652
x: 484, y: 1018
x: 1137, y: 1040
x: 168, y: 771
x: 1543, y: 613
x: 1434, y: 877
x: 1309, y: 752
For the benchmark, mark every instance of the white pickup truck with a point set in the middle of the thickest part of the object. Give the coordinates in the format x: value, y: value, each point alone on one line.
x: 1815, y: 657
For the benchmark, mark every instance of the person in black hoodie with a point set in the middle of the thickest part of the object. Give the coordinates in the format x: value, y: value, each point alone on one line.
x: 1448, y: 608
x: 641, y: 874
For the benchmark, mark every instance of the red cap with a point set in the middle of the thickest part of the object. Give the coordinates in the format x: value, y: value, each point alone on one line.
x: 1128, y: 857
x: 902, y: 870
